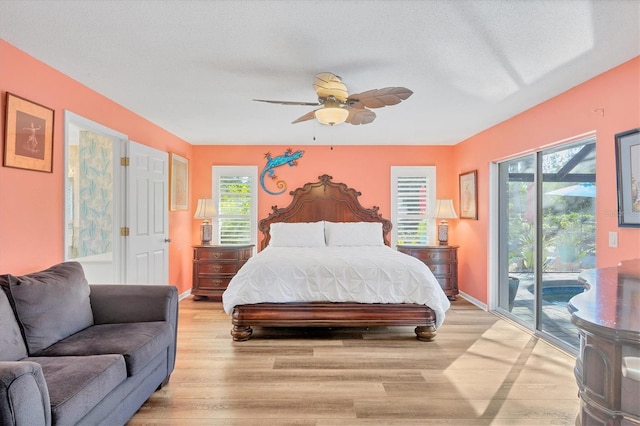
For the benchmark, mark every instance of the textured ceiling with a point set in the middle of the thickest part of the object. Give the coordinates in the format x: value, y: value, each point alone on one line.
x: 193, y: 67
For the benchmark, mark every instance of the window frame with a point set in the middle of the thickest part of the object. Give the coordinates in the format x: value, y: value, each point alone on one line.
x: 221, y: 171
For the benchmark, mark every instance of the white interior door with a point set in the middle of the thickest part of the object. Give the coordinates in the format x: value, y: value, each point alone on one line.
x: 147, y: 246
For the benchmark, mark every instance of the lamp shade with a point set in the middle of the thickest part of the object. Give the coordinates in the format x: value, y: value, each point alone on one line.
x: 331, y: 115
x: 206, y: 209
x: 445, y: 210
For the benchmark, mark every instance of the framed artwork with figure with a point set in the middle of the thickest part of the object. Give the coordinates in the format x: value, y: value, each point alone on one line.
x: 628, y: 177
x: 469, y: 195
x: 28, y: 137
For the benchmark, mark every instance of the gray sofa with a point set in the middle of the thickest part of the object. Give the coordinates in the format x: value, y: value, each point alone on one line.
x: 73, y: 353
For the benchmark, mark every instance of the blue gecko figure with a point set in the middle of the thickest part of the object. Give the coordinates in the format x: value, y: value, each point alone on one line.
x: 289, y: 157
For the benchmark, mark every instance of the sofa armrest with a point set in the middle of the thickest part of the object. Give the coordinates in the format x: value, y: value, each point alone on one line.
x: 24, y: 396
x: 118, y: 303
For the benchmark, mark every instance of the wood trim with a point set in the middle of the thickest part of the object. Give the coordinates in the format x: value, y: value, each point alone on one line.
x: 323, y: 200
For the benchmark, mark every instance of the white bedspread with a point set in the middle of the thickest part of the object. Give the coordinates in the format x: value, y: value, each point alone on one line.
x: 372, y: 274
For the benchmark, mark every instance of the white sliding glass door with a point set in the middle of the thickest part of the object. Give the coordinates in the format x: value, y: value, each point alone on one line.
x: 546, y: 236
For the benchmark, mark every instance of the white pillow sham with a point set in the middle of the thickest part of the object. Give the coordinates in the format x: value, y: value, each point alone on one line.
x: 353, y: 233
x: 300, y: 234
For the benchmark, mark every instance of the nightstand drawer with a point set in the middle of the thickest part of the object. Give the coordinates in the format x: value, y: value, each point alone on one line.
x: 441, y: 269
x: 447, y: 286
x: 214, y: 282
x: 433, y: 255
x: 244, y: 254
x: 217, y: 268
x: 216, y: 254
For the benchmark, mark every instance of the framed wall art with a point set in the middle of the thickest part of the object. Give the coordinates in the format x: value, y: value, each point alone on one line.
x: 179, y: 186
x: 628, y: 176
x: 469, y: 195
x: 28, y: 137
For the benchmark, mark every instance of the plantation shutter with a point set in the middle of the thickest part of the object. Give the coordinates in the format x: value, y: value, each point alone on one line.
x: 235, y: 192
x: 413, y: 202
x: 235, y: 210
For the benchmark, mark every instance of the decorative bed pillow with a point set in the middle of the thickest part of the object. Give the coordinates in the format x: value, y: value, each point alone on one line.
x: 353, y: 233
x: 51, y: 304
x: 301, y: 234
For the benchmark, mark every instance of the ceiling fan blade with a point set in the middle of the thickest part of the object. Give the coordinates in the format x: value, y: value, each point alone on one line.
x: 288, y: 102
x: 327, y: 84
x: 359, y: 116
x: 308, y: 116
x: 378, y: 98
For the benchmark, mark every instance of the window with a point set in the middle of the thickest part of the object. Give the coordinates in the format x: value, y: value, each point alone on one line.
x: 235, y: 194
x: 413, y: 197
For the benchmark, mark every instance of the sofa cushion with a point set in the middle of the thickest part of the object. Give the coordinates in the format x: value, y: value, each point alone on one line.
x: 77, y: 384
x: 51, y: 304
x: 138, y: 342
x: 12, y: 346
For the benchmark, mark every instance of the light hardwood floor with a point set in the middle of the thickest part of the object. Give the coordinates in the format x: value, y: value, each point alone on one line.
x: 480, y: 370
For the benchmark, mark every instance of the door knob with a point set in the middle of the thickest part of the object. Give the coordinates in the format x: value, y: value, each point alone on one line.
x: 167, y: 240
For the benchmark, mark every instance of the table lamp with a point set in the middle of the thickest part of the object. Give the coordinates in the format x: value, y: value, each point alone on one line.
x: 444, y: 210
x: 205, y: 210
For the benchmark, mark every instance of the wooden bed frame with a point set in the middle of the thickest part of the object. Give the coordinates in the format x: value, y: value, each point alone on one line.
x: 335, y: 202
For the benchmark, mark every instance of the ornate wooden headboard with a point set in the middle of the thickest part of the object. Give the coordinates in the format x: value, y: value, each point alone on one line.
x: 323, y: 200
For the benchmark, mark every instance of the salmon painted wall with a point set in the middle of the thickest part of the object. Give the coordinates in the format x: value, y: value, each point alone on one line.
x: 31, y: 203
x: 365, y: 168
x: 606, y: 105
x: 31, y: 240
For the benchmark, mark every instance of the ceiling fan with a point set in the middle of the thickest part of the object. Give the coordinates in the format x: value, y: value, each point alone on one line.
x: 337, y: 106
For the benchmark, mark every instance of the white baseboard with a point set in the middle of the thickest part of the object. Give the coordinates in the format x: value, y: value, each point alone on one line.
x: 473, y: 300
x: 184, y: 295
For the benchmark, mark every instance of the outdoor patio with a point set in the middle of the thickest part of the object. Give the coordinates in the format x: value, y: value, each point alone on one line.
x: 556, y: 319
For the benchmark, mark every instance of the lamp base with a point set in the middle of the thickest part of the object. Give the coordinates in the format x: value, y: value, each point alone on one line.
x: 206, y: 231
x: 443, y: 233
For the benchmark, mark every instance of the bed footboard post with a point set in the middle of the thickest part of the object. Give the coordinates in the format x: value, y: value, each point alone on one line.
x: 241, y: 333
x: 426, y: 333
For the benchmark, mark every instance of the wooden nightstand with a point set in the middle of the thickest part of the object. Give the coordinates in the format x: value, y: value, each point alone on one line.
x: 443, y: 262
x: 214, y: 266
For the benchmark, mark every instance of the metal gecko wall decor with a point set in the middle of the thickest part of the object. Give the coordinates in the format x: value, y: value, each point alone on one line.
x: 290, y: 157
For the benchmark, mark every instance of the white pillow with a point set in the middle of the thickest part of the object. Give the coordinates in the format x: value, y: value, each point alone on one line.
x: 301, y: 234
x: 353, y: 233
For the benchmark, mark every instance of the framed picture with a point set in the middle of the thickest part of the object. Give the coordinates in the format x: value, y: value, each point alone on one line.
x: 469, y: 195
x: 28, y: 137
x: 179, y: 178
x: 628, y: 172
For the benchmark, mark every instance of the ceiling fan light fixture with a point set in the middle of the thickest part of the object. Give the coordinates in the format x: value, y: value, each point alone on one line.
x: 338, y: 107
x: 331, y: 115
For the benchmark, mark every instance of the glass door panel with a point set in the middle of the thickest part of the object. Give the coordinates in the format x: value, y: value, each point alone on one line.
x: 546, y: 236
x: 517, y: 238
x: 568, y: 230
